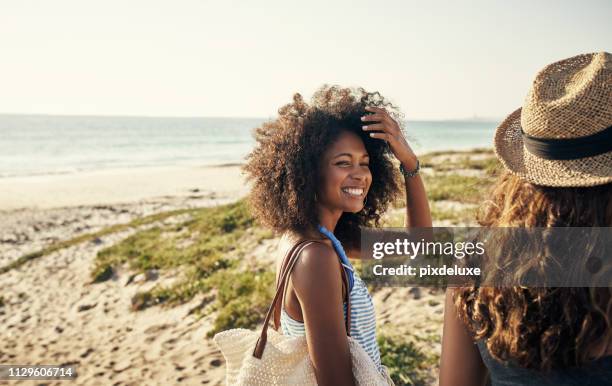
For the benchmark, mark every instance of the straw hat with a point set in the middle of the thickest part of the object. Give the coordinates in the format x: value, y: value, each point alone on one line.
x: 562, y: 136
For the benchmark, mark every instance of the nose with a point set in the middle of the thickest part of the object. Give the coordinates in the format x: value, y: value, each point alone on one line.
x: 359, y: 174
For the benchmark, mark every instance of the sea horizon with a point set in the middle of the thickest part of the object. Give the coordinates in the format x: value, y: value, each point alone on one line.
x: 44, y: 144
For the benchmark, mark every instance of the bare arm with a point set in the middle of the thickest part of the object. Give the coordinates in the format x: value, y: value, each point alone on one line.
x: 460, y: 363
x: 417, y: 205
x: 318, y: 285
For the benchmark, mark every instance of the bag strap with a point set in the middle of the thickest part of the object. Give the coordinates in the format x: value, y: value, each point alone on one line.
x: 279, y: 284
x: 292, y: 257
x: 278, y: 307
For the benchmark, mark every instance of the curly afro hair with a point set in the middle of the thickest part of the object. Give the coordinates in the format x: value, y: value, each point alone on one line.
x: 284, y: 165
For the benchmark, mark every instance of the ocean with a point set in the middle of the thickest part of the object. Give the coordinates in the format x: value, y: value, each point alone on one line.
x: 45, y: 144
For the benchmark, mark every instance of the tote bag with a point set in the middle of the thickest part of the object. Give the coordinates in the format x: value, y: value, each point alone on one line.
x: 270, y: 358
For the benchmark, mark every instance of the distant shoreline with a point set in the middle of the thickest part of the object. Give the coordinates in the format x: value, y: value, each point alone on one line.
x: 8, y: 176
x: 221, y: 164
x: 128, y: 185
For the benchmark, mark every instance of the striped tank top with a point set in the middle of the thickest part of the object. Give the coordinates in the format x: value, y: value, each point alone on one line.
x: 363, y: 321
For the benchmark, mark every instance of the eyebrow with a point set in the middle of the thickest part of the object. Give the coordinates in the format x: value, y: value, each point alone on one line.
x: 349, y: 155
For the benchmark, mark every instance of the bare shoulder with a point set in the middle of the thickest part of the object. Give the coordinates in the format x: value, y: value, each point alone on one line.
x: 316, y: 258
x: 317, y: 270
x: 315, y: 251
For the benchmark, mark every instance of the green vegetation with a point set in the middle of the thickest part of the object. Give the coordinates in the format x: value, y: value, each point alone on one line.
x: 454, y: 215
x: 394, y: 219
x: 481, y: 150
x: 479, y: 159
x: 432, y: 159
x: 461, y: 214
x: 429, y: 340
x: 455, y: 187
x: 242, y: 298
x: 92, y: 236
x: 199, y: 242
x: 205, y: 249
x: 491, y: 166
x: 406, y: 363
x: 464, y: 177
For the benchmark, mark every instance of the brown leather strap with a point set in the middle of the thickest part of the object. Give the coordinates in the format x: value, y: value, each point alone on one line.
x: 278, y: 307
x: 292, y: 257
x: 277, y: 310
x: 261, y: 342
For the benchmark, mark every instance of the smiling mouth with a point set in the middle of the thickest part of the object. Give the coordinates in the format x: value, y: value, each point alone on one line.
x: 355, y: 192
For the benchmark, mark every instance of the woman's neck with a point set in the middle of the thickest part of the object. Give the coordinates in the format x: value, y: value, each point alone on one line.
x: 328, y: 217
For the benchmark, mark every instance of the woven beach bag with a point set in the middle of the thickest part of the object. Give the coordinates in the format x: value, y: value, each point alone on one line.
x: 270, y: 358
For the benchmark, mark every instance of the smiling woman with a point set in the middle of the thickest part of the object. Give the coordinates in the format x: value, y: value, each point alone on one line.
x: 347, y: 179
x: 285, y: 166
x: 320, y: 171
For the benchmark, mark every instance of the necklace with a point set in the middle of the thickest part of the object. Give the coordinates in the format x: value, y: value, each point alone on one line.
x: 340, y: 251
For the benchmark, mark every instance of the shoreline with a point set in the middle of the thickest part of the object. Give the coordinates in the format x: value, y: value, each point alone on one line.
x: 131, y: 184
x: 119, y: 186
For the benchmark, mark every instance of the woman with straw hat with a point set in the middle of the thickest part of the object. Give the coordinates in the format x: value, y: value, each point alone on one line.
x: 557, y: 152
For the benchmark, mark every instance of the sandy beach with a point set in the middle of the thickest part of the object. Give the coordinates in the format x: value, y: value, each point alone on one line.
x: 54, y: 314
x: 119, y: 186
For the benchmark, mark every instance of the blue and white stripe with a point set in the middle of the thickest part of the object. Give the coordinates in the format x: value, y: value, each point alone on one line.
x: 363, y: 321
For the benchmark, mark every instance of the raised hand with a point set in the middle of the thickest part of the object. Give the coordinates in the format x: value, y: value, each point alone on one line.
x: 387, y: 129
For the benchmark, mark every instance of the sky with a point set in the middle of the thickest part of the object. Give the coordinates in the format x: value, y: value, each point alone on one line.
x: 434, y: 59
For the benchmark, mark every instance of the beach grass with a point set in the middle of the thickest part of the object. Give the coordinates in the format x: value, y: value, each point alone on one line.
x: 459, y: 215
x: 92, y: 236
x: 455, y: 187
x: 206, y: 248
x: 242, y: 298
x: 463, y: 178
x: 406, y: 363
x: 449, y: 161
x: 199, y: 242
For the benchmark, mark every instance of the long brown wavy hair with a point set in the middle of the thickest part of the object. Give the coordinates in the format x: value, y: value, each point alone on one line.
x: 541, y: 328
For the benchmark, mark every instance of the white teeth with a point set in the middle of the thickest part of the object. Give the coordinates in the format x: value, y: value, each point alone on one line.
x: 353, y: 191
